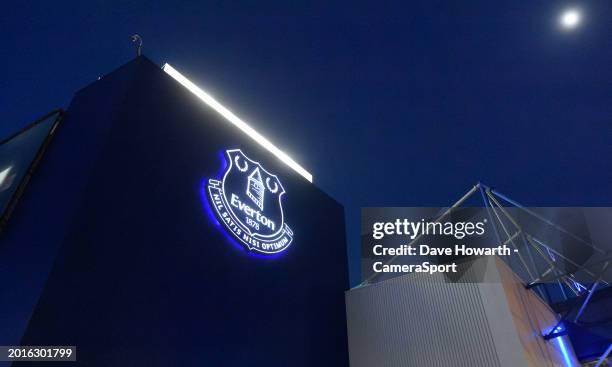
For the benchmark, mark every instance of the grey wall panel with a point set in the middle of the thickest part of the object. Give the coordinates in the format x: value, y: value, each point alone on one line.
x: 498, y: 313
x: 423, y: 320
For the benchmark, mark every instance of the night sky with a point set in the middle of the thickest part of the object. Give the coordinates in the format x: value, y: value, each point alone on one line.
x: 403, y: 104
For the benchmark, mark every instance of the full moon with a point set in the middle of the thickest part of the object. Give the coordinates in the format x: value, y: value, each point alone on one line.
x: 570, y: 19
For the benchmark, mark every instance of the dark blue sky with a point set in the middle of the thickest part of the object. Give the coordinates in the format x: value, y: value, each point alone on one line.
x: 402, y: 104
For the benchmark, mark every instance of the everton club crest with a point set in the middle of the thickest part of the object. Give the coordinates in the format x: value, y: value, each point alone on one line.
x: 248, y: 203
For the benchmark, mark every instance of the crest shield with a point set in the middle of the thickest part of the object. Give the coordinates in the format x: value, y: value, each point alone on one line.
x: 248, y: 202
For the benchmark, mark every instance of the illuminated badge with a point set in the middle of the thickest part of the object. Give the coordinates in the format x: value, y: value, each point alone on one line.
x: 248, y: 203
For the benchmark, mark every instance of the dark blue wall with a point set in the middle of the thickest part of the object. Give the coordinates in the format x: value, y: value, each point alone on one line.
x: 142, y: 275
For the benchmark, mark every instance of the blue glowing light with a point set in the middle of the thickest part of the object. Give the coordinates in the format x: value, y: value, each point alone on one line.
x: 562, y: 346
x: 564, y: 351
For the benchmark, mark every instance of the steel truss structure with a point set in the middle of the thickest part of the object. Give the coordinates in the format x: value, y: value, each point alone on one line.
x: 508, y: 231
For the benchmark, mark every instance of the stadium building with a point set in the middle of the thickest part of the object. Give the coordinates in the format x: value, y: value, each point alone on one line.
x: 148, y: 225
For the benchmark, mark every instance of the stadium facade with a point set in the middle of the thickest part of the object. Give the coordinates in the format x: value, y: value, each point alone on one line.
x: 147, y: 227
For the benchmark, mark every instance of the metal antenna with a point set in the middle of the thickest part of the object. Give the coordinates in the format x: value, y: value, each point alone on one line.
x: 136, y: 38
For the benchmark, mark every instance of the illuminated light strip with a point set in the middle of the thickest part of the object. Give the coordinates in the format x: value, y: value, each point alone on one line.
x: 565, y: 352
x: 4, y: 174
x: 210, y: 101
